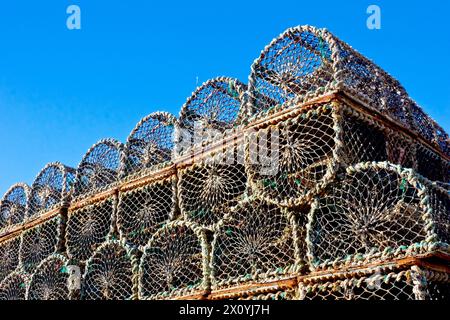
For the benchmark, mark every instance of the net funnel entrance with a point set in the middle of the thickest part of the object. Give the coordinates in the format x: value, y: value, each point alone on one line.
x: 88, y: 227
x: 141, y: 212
x: 150, y: 143
x: 111, y: 273
x: 99, y: 168
x: 13, y: 206
x: 14, y: 286
x: 254, y: 242
x: 374, y: 211
x: 50, y: 280
x: 39, y: 242
x: 174, y: 263
x: 50, y: 189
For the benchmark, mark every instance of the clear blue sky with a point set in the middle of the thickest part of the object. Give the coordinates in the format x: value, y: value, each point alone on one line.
x: 62, y: 90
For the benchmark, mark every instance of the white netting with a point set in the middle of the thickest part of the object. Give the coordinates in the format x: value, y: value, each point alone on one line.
x: 150, y: 143
x: 111, y: 273
x: 14, y: 286
x: 143, y: 211
x: 99, y: 167
x: 173, y: 263
x: 50, y: 280
x: 372, y: 209
x: 254, y: 242
x: 207, y: 188
x: 13, y: 206
x: 40, y: 242
x: 50, y: 188
x: 439, y: 203
x: 87, y: 228
x: 287, y: 163
x: 213, y: 108
x: 9, y: 256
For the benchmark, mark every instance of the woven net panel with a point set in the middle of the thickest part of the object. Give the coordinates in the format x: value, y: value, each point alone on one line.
x: 401, y: 150
x: 141, y: 212
x: 13, y: 287
x: 255, y: 242
x: 9, y: 256
x: 287, y: 163
x: 442, y: 139
x: 295, y: 64
x: 40, y: 242
x: 388, y: 287
x: 279, y: 295
x: 207, y: 188
x: 172, y: 264
x: 50, y: 188
x: 99, y: 167
x: 362, y: 141
x: 438, y: 290
x: 87, y: 228
x: 110, y: 274
x: 431, y: 165
x: 50, y: 280
x: 439, y: 202
x: 363, y: 79
x: 150, y: 143
x: 213, y: 108
x: 371, y: 209
x: 13, y: 206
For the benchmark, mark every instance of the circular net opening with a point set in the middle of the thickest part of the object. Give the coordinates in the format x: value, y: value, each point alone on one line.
x: 9, y: 256
x: 13, y: 287
x: 13, y: 206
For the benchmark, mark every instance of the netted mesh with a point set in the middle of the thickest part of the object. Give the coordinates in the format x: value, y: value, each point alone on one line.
x: 111, y: 274
x: 439, y: 202
x: 14, y: 286
x: 391, y: 286
x: 50, y: 188
x: 40, y: 242
x: 207, y: 188
x: 99, y: 167
x: 87, y: 228
x: 255, y: 242
x: 438, y: 290
x: 150, y: 143
x: 50, y: 280
x: 362, y: 141
x: 143, y: 211
x: 13, y: 206
x: 298, y: 62
x: 9, y: 256
x: 172, y: 263
x: 213, y: 108
x: 287, y: 163
x: 401, y: 150
x: 374, y: 207
x: 431, y: 165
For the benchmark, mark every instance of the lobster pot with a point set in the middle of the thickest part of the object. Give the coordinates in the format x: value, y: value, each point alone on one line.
x: 111, y: 273
x: 213, y: 109
x: 149, y: 145
x: 88, y: 227
x: 50, y: 189
x: 13, y: 207
x: 9, y: 256
x: 375, y: 211
x: 143, y: 210
x: 439, y: 207
x: 304, y: 63
x: 254, y: 243
x: 378, y: 284
x: 174, y: 263
x: 209, y: 186
x: 14, y: 286
x: 40, y: 241
x: 50, y: 281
